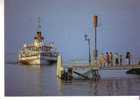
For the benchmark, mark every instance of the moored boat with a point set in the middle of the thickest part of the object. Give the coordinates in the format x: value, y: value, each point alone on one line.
x: 38, y: 52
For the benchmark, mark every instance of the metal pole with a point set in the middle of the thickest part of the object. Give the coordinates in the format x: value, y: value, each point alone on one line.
x: 95, y: 45
x: 89, y: 52
x: 88, y: 40
x: 95, y: 22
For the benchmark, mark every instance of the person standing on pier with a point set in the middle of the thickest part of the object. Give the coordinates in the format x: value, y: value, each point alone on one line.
x: 107, y: 59
x: 128, y: 58
x: 116, y: 59
x: 120, y: 59
x: 102, y: 60
x: 111, y: 59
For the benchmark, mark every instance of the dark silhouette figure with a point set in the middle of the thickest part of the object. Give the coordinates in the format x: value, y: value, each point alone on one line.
x: 120, y: 59
x: 107, y: 58
x: 116, y: 58
x: 111, y: 58
x: 128, y: 57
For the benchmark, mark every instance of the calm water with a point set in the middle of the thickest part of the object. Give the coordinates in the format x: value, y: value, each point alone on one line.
x: 21, y: 80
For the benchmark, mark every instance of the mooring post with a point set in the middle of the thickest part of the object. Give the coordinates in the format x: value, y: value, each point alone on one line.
x: 60, y: 67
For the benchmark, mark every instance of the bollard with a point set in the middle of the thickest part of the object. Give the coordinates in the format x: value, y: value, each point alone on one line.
x: 60, y: 67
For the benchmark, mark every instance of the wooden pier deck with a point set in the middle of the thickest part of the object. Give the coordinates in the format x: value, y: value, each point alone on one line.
x: 117, y: 67
x: 120, y: 67
x: 82, y: 66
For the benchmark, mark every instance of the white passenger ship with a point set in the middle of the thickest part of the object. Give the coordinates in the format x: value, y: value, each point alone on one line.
x: 38, y: 52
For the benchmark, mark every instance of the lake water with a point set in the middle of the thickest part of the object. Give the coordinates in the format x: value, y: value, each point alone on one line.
x: 22, y: 80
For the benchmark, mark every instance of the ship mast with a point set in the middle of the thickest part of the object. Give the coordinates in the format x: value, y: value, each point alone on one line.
x: 38, y: 39
x: 39, y: 24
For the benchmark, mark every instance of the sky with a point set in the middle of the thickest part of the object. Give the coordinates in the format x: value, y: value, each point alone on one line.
x: 66, y: 21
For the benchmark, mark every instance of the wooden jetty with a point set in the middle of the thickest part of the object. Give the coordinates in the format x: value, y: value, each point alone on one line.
x: 76, y: 71
x: 85, y: 71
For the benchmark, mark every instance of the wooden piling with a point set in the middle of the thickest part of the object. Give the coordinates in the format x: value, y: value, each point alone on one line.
x: 60, y: 67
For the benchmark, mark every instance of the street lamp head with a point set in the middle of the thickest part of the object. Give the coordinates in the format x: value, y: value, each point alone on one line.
x: 86, y: 37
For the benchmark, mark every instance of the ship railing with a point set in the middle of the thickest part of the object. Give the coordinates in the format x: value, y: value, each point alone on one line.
x: 36, y: 54
x: 38, y: 49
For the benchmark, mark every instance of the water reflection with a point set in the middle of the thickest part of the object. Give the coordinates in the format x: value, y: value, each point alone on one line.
x: 30, y: 80
x: 101, y: 87
x: 21, y: 80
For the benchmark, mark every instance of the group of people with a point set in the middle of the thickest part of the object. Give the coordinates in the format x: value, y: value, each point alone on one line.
x: 110, y: 59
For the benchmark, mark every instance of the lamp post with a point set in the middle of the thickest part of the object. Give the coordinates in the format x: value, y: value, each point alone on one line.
x: 88, y: 39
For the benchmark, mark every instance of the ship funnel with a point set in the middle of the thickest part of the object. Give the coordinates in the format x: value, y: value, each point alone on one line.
x: 60, y: 66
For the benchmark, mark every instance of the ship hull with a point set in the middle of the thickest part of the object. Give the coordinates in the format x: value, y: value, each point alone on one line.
x: 37, y: 60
